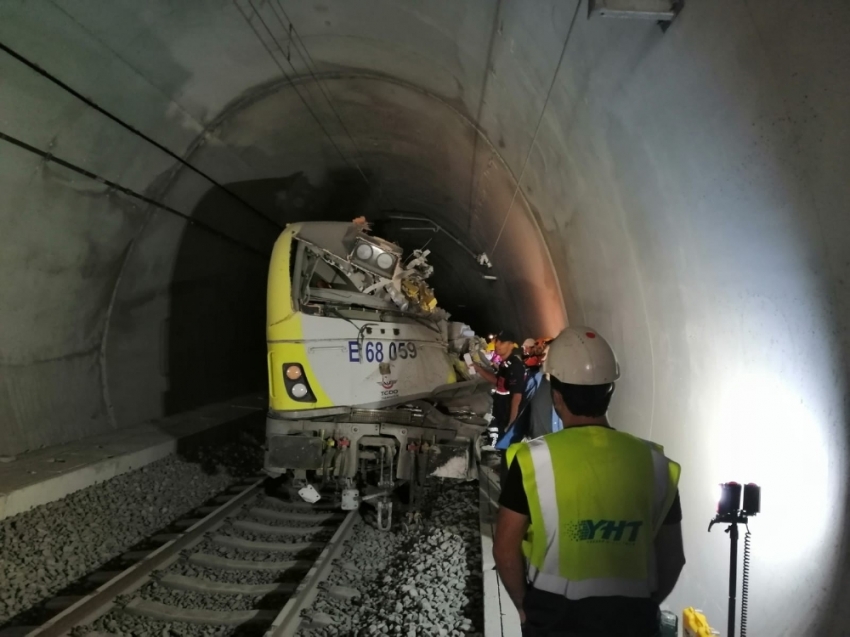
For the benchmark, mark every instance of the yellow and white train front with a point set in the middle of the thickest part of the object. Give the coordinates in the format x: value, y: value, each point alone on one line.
x: 325, y: 366
x: 330, y: 359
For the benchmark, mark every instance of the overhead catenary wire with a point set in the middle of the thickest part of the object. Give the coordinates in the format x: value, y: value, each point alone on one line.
x: 49, y: 157
x: 537, y: 128
x: 287, y: 77
x: 310, y: 64
x: 494, y: 29
x: 111, y: 116
x: 283, y: 72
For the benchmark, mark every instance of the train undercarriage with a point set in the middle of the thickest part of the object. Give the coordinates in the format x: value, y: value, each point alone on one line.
x: 365, y: 455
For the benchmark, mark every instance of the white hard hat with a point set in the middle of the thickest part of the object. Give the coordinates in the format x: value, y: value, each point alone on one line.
x: 528, y: 343
x: 580, y: 356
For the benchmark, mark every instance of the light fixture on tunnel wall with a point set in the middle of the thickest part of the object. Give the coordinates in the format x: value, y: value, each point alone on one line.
x: 489, y: 277
x: 730, y: 511
x: 658, y: 10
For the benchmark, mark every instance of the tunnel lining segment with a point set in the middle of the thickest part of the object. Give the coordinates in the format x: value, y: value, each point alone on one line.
x: 94, y: 105
x: 291, y: 83
x: 310, y: 65
x: 48, y: 157
x: 536, y: 128
x: 258, y: 95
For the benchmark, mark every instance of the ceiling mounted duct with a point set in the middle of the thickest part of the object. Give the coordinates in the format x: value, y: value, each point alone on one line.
x: 663, y: 10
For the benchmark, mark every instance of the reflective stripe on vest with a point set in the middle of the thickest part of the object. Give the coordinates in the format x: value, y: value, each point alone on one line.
x: 595, y: 511
x: 510, y: 454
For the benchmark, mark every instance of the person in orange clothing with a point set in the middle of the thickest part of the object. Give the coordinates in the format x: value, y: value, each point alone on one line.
x: 534, y: 352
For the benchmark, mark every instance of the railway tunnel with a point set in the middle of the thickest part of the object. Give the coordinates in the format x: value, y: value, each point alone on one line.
x: 684, y: 190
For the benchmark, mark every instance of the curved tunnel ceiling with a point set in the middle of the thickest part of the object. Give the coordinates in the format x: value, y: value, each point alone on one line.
x: 403, y: 155
x: 685, y: 192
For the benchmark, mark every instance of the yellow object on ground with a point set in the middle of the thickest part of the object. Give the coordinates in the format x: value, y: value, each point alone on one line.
x: 695, y: 624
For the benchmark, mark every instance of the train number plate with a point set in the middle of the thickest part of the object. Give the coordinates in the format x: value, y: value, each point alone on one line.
x: 380, y: 351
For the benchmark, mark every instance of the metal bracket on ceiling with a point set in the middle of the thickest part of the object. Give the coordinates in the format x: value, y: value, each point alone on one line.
x: 481, y: 259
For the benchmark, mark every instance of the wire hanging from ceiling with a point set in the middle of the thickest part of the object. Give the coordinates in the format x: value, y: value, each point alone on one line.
x: 50, y: 158
x: 283, y: 72
x: 491, y: 45
x: 311, y: 66
x: 294, y: 86
x: 97, y: 107
x: 537, y: 128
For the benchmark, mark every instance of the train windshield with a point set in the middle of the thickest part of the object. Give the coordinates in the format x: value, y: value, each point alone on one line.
x: 326, y: 284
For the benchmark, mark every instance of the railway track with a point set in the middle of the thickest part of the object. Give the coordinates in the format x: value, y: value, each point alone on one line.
x: 251, y: 562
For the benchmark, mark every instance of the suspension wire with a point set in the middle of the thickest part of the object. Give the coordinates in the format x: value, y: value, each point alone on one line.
x: 286, y: 75
x: 48, y: 157
x: 537, y: 128
x: 311, y: 65
x: 111, y: 116
x: 480, y: 111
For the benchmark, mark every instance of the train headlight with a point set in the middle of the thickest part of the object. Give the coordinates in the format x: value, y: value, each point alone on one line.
x: 378, y: 258
x: 385, y: 261
x: 297, y: 386
x: 364, y: 251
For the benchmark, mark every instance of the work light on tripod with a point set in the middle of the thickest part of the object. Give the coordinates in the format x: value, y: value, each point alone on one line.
x: 731, y: 511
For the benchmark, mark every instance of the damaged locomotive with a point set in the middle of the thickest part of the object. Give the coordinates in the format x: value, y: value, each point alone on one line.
x: 367, y: 386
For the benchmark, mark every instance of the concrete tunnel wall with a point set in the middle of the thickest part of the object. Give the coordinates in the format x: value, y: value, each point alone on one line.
x: 684, y: 192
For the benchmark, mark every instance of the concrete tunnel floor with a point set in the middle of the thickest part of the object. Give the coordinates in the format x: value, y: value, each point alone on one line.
x: 682, y: 190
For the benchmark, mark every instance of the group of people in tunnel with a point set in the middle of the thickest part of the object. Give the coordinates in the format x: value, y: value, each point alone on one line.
x: 520, y: 408
x: 588, y: 537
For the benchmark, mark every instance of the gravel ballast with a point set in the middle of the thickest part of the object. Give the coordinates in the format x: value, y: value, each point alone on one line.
x: 126, y: 625
x: 425, y: 581
x: 48, y: 548
x: 413, y: 581
x: 420, y: 581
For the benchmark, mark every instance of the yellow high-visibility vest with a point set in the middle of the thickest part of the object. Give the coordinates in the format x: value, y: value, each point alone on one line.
x: 597, y: 497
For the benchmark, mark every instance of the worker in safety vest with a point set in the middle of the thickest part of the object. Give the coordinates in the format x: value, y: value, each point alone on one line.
x: 588, y: 538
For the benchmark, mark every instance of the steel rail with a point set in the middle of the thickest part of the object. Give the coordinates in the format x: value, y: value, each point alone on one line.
x: 100, y: 601
x: 289, y: 619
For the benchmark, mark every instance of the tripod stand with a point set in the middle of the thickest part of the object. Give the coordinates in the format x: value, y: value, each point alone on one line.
x: 729, y: 512
x: 732, y: 530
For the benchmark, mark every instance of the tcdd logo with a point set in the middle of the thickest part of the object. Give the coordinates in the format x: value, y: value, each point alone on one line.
x: 387, y: 381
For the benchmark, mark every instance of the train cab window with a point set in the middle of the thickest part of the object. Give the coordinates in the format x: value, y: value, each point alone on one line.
x: 323, y: 286
x: 326, y: 277
x: 318, y: 283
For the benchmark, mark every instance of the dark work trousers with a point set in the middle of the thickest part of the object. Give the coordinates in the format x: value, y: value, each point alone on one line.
x: 550, y: 615
x: 503, y: 461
